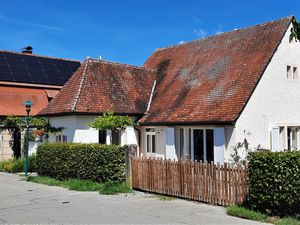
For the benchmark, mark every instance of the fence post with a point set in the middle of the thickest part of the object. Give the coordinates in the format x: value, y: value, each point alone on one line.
x: 130, y: 151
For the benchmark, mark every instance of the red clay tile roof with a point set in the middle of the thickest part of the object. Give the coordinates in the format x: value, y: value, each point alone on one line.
x: 12, y: 100
x: 100, y: 86
x: 210, y: 80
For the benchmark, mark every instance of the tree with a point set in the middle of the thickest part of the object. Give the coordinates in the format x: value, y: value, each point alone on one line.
x: 295, y: 30
x: 112, y: 122
x: 109, y: 121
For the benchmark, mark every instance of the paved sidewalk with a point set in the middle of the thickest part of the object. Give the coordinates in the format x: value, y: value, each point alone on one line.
x: 23, y: 202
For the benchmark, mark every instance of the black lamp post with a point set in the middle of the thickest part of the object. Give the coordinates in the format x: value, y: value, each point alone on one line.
x: 28, y: 105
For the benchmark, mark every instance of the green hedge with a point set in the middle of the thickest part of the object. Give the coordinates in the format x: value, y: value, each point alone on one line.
x: 274, y: 183
x: 18, y: 165
x: 94, y: 162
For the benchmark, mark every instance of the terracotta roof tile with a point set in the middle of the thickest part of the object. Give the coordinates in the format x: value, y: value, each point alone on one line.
x: 211, y: 79
x: 12, y: 100
x: 100, y: 86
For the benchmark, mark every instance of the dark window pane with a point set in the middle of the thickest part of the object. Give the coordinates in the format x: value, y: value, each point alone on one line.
x: 210, y: 145
x: 116, y: 137
x: 153, y: 143
x: 148, y: 143
x: 102, y: 136
x: 198, y: 145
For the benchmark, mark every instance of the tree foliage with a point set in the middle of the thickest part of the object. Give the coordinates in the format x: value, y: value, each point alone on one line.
x: 110, y: 121
x: 17, y: 122
x: 295, y: 30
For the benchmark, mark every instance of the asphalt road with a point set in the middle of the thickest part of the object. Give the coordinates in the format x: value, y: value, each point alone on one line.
x: 23, y: 202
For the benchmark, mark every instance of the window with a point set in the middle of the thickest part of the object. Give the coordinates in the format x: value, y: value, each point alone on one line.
x: 288, y: 71
x: 203, y: 144
x: 150, y: 140
x: 61, y: 138
x: 116, y: 137
x: 295, y: 72
x: 292, y: 138
x: 291, y: 72
x: 102, y: 136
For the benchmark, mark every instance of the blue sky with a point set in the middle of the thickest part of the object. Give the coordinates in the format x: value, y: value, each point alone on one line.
x: 122, y: 30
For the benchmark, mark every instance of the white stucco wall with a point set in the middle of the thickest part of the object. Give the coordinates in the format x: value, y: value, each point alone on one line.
x: 275, y: 101
x: 77, y: 130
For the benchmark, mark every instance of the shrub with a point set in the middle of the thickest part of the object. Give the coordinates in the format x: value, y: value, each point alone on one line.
x: 18, y: 165
x: 94, y: 162
x: 274, y: 182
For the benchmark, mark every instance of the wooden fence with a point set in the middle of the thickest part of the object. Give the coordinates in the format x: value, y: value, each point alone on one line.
x: 215, y: 184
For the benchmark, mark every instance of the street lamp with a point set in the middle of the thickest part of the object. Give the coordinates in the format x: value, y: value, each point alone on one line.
x: 28, y: 105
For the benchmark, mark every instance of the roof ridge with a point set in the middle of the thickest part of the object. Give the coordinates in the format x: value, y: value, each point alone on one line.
x: 223, y: 33
x: 80, y: 86
x: 37, y: 55
x: 121, y: 64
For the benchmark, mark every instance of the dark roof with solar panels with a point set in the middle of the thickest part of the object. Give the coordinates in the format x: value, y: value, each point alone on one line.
x: 26, y: 67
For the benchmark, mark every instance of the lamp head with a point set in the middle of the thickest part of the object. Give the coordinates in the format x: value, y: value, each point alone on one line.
x: 28, y: 105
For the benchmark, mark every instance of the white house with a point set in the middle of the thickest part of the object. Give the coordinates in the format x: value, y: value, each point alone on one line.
x: 95, y: 88
x: 199, y: 99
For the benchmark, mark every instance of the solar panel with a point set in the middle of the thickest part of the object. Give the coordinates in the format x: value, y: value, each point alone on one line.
x: 17, y: 67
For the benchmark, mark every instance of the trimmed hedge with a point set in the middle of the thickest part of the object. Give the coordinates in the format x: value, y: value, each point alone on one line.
x: 274, y: 183
x: 94, y: 162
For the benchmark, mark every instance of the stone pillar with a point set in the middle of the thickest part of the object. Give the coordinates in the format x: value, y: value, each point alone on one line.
x: 130, y: 151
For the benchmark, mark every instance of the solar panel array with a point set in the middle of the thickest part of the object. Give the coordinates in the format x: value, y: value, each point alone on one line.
x: 33, y: 69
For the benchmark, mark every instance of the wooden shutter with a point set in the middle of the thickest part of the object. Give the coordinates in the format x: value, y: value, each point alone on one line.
x: 219, y: 144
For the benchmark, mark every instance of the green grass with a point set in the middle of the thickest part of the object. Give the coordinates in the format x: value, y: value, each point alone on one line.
x: 287, y: 221
x: 246, y: 213
x: 108, y: 188
x: 112, y: 188
x: 252, y: 215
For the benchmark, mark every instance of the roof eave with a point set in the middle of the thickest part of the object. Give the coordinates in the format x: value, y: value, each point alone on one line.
x: 166, y: 123
x: 87, y: 114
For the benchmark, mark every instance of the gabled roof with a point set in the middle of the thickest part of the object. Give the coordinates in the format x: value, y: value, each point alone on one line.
x: 12, y: 100
x: 35, y: 69
x: 100, y: 86
x: 209, y: 81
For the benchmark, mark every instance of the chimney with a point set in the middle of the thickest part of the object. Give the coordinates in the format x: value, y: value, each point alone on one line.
x: 27, y: 50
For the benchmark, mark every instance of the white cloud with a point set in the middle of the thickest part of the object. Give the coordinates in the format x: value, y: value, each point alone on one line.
x: 219, y: 30
x: 200, y: 32
x: 181, y: 42
x: 27, y: 23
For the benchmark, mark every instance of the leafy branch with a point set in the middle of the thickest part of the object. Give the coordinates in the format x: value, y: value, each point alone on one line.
x: 109, y: 121
x: 295, y: 30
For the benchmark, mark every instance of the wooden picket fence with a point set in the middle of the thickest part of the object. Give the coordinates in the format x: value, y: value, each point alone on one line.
x: 215, y: 184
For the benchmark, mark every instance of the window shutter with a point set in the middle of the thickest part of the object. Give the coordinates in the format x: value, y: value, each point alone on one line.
x: 219, y: 144
x: 170, y: 143
x: 275, y: 139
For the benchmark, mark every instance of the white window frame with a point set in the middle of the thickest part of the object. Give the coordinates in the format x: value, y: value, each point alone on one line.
x: 204, y: 142
x: 151, y: 134
x: 61, y: 138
